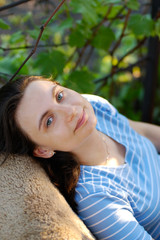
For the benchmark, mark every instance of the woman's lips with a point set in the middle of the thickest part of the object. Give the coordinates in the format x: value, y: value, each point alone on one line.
x: 81, y: 121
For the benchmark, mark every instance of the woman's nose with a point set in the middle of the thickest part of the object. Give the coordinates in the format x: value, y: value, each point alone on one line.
x: 68, y: 111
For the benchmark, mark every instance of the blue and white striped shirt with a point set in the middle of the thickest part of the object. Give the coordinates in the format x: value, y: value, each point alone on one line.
x: 121, y: 202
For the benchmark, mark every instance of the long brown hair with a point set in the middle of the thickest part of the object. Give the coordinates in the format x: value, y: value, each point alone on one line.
x: 62, y: 169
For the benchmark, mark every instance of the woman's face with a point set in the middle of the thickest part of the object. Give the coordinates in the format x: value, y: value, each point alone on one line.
x: 54, y: 117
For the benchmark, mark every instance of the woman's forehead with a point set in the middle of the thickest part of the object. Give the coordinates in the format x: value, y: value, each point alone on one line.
x: 34, y: 101
x: 38, y: 85
x: 36, y: 94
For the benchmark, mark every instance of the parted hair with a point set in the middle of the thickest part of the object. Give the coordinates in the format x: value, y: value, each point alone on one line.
x: 63, y: 169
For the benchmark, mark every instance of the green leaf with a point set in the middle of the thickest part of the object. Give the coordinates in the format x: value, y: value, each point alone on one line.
x: 128, y: 42
x: 1, y: 52
x: 17, y: 37
x: 15, y: 19
x: 58, y: 60
x: 4, y: 25
x: 101, y: 10
x: 6, y: 65
x: 34, y: 33
x: 10, y: 64
x: 133, y: 4
x: 111, y: 1
x: 76, y: 38
x: 114, y: 11
x: 104, y: 38
x: 66, y: 24
x: 157, y: 28
x: 81, y: 81
x: 87, y: 8
x: 79, y: 35
x: 27, y: 17
x: 141, y: 24
x: 52, y: 63
x: 45, y: 35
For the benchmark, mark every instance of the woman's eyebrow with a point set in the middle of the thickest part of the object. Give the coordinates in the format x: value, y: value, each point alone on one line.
x: 53, y: 89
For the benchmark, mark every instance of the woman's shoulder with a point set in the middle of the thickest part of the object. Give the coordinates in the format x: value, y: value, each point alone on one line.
x: 95, y: 98
x: 100, y: 103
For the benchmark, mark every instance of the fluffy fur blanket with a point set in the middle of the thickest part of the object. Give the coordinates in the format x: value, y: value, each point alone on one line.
x: 31, y: 208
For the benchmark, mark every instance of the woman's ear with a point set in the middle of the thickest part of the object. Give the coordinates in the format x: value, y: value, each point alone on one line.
x: 43, y: 152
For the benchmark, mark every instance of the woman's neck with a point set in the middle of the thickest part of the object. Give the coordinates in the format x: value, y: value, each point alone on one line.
x: 93, y: 151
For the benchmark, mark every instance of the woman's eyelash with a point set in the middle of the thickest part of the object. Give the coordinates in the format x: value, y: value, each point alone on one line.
x: 59, y: 96
x: 49, y: 121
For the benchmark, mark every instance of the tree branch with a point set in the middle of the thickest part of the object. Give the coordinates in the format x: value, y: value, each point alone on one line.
x: 116, y: 70
x: 95, y: 30
x: 31, y: 46
x: 3, y: 77
x: 140, y: 43
x: 105, y: 78
x: 89, y: 55
x: 11, y: 5
x: 93, y: 35
x: 122, y: 34
x: 42, y: 28
x: 117, y: 16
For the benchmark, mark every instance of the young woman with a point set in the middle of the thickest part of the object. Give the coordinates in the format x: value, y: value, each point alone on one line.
x: 106, y: 166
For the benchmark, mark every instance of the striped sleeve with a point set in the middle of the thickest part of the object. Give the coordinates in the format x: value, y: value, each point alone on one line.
x: 100, y: 104
x: 109, y: 217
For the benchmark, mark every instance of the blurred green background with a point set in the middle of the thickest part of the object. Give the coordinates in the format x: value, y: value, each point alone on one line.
x: 99, y: 47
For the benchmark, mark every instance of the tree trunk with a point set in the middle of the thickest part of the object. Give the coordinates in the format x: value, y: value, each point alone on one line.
x: 150, y: 80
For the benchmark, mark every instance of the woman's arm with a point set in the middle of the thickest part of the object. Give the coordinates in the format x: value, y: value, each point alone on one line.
x: 152, y: 132
x: 110, y: 218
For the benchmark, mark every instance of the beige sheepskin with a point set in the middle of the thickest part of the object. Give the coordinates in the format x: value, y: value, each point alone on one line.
x: 31, y: 208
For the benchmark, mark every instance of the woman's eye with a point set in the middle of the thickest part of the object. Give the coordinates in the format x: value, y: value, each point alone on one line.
x: 49, y: 121
x: 59, y: 96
